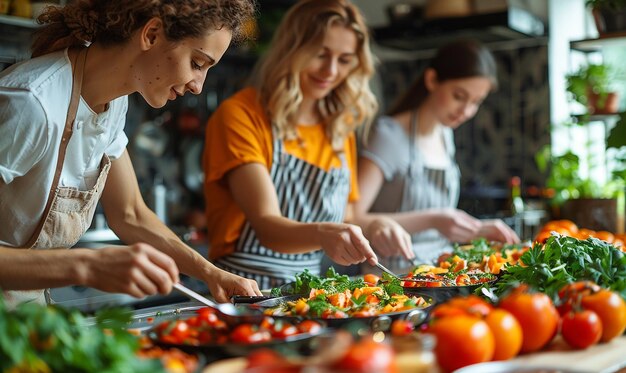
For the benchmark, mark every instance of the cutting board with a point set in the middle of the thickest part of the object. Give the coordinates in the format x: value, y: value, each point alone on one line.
x: 605, y: 357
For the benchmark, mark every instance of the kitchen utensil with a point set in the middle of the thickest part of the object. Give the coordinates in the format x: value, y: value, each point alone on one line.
x: 385, y: 269
x: 230, y: 313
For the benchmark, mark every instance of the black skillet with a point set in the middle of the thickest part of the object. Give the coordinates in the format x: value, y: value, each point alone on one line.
x: 377, y: 323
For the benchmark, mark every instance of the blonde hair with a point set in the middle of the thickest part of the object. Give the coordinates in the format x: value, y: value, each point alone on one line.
x: 297, y: 39
x: 111, y: 22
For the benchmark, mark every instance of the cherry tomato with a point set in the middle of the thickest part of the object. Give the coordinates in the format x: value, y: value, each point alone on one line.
x: 248, y: 333
x: 570, y: 295
x: 309, y: 326
x: 367, y: 356
x: 535, y: 313
x: 206, y: 316
x: 611, y: 309
x: 371, y: 279
x: 472, y: 304
x: 461, y: 341
x: 507, y: 333
x: 263, y: 356
x: 402, y: 327
x: 283, y: 330
x: 581, y: 329
x: 333, y: 314
x: 609, y: 306
x: 180, y: 332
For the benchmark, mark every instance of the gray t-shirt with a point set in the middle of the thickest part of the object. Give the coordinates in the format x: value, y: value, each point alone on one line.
x: 409, y: 184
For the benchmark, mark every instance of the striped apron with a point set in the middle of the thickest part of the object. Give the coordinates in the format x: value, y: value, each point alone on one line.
x: 427, y: 188
x: 306, y: 193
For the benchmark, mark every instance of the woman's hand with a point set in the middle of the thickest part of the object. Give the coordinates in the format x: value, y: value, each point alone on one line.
x: 345, y: 244
x: 389, y: 238
x: 223, y: 285
x: 457, y: 225
x: 139, y: 270
x: 497, y: 230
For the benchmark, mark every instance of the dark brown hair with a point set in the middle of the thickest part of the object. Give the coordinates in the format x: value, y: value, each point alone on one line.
x: 457, y: 60
x: 111, y: 22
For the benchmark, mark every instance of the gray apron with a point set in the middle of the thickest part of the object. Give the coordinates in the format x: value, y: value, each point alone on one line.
x: 427, y: 188
x: 69, y: 211
x: 307, y: 194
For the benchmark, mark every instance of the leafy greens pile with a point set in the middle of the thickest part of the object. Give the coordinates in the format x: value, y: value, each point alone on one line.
x: 36, y: 338
x: 564, y: 260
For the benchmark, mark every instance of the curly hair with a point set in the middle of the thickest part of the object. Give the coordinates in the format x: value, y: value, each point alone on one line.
x: 296, y: 41
x: 111, y: 22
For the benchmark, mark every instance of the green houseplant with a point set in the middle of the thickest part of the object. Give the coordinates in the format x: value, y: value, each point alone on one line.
x: 608, y: 15
x: 591, y: 86
x: 576, y: 195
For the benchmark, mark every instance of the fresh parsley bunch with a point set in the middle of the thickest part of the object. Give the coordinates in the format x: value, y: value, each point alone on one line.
x: 37, y: 338
x: 563, y: 260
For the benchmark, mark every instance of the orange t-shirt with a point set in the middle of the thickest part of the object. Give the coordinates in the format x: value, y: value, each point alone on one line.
x: 239, y: 132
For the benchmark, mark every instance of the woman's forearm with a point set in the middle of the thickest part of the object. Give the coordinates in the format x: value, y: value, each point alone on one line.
x: 24, y: 269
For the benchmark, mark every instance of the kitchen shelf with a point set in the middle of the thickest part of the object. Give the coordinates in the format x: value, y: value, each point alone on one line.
x: 616, y: 39
x: 18, y: 21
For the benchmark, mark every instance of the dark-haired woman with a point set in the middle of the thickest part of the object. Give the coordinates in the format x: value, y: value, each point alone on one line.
x: 407, y: 169
x: 62, y: 145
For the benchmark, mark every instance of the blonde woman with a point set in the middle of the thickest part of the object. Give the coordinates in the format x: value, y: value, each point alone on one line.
x: 280, y: 156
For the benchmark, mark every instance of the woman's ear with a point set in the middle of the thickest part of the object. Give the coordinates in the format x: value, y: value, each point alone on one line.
x: 430, y: 79
x: 151, y: 33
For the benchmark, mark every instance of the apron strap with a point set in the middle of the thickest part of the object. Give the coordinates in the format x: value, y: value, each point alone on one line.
x: 77, y: 82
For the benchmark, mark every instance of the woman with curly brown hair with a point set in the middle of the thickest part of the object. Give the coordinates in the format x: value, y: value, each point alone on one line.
x: 62, y: 145
x: 280, y: 156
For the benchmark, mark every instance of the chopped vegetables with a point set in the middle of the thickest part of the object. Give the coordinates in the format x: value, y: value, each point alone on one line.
x: 338, y: 296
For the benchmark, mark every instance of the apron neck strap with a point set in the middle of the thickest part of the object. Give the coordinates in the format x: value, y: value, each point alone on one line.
x: 78, y: 66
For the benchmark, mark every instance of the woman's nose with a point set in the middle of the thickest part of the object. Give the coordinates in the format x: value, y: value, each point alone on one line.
x: 330, y: 68
x: 195, y: 86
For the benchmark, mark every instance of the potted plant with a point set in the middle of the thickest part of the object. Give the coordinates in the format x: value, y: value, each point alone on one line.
x: 577, y: 196
x: 608, y: 15
x: 591, y: 86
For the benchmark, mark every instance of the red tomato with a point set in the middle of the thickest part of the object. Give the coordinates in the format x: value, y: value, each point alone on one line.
x: 180, y: 332
x: 247, y: 333
x: 611, y: 309
x: 262, y: 357
x: 309, y: 326
x: 472, y: 304
x: 535, y: 313
x: 608, y: 305
x: 206, y: 316
x: 461, y: 341
x: 371, y: 279
x: 571, y: 294
x: 402, y: 327
x: 283, y: 329
x: 581, y: 329
x: 367, y: 356
x: 507, y: 333
x: 333, y: 314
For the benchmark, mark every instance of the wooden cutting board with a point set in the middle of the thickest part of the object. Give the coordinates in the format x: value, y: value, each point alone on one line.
x: 605, y: 357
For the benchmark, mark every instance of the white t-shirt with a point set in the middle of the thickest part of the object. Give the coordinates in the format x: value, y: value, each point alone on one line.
x: 34, y: 98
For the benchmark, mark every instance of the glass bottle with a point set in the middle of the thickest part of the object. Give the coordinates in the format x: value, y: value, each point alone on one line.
x: 517, y: 204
